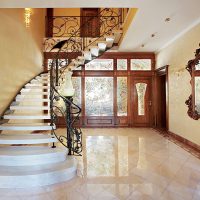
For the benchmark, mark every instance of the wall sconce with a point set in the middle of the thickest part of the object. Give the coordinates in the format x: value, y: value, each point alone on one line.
x: 27, y: 16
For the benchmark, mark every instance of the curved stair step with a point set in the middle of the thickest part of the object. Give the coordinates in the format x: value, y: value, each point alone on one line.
x: 27, y: 138
x: 25, y: 127
x: 18, y: 107
x: 31, y: 155
x: 26, y: 116
x: 37, y: 175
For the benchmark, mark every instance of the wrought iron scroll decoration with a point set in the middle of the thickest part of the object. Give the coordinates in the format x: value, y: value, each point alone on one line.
x: 74, y: 43
x: 190, y: 102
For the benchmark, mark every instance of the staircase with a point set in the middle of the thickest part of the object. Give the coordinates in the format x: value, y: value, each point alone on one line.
x: 27, y: 158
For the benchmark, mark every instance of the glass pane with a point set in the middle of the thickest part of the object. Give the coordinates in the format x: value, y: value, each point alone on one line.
x: 197, y: 94
x: 76, y: 81
x: 61, y: 63
x: 99, y: 96
x: 141, y: 90
x: 197, y: 66
x: 140, y: 64
x: 100, y: 64
x: 122, y: 96
x: 121, y: 64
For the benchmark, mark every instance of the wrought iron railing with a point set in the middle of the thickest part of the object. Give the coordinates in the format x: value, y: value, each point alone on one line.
x: 64, y: 106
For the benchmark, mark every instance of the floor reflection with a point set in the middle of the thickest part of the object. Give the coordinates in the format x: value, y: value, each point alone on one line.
x: 125, y: 164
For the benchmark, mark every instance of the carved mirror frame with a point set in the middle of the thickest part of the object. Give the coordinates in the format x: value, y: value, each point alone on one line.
x: 193, y: 68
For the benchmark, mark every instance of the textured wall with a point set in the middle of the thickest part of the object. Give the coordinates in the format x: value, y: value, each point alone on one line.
x: 177, y: 55
x: 20, y: 51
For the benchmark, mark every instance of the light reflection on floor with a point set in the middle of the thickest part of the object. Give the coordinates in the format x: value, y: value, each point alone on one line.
x: 125, y: 164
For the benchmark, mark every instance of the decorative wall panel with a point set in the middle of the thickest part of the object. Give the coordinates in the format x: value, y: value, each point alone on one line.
x: 99, y: 96
x: 140, y: 64
x: 76, y: 81
x: 122, y: 96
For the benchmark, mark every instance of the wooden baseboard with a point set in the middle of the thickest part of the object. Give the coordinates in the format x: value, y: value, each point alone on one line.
x: 185, y: 141
x: 189, y: 146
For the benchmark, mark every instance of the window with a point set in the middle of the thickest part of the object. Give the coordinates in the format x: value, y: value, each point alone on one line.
x: 140, y: 64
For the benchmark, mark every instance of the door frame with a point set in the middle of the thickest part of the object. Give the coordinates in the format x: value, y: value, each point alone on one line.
x: 162, y: 71
x: 131, y: 122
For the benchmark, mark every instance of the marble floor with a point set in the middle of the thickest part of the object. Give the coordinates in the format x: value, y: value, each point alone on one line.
x: 124, y: 164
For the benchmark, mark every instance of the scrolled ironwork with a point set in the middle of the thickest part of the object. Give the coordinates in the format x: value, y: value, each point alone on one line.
x: 59, y: 104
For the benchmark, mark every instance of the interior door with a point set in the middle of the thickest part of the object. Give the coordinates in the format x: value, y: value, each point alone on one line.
x: 90, y: 25
x: 141, y: 102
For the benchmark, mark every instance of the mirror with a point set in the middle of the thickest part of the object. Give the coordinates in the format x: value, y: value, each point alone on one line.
x: 193, y: 101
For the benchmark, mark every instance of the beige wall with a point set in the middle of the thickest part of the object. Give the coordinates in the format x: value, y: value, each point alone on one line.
x: 177, y: 55
x: 66, y: 11
x: 20, y: 50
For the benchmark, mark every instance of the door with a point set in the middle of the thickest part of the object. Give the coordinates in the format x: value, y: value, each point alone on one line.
x: 90, y: 24
x: 141, y: 102
x: 161, y: 120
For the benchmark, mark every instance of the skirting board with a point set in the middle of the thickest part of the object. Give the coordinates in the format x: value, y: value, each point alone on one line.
x: 189, y: 146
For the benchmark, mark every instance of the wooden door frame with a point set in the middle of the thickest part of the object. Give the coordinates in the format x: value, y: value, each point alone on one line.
x: 82, y: 20
x: 162, y: 71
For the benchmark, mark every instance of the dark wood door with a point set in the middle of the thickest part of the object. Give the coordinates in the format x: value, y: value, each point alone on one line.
x: 141, y: 102
x: 161, y: 102
x: 90, y: 24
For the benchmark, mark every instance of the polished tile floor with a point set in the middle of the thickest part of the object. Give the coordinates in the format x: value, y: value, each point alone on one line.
x: 124, y: 164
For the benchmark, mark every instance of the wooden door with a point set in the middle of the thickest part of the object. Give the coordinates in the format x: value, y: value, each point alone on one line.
x: 141, y: 102
x: 90, y: 25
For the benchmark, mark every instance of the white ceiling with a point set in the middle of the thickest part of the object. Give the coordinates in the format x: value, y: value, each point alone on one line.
x: 150, y: 18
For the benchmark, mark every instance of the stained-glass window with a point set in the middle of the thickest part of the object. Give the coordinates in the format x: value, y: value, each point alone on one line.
x: 100, y: 64
x: 197, y: 93
x: 141, y: 90
x: 99, y: 96
x: 140, y: 64
x: 76, y: 81
x: 121, y: 64
x: 61, y: 63
x: 122, y: 96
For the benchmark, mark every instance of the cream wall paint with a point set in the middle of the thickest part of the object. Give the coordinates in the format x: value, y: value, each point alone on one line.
x: 66, y: 11
x: 177, y: 55
x: 20, y: 50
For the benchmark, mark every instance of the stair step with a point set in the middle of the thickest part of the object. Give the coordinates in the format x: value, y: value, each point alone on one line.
x: 110, y: 41
x: 26, y: 138
x: 31, y: 155
x: 40, y: 81
x: 37, y: 175
x: 18, y: 107
x: 37, y: 87
x: 29, y: 96
x: 34, y: 89
x: 34, y: 93
x: 26, y: 116
x: 87, y: 55
x: 37, y: 84
x: 24, y: 99
x: 25, y: 127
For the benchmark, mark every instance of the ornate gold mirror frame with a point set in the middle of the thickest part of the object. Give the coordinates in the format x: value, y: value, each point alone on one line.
x: 193, y: 101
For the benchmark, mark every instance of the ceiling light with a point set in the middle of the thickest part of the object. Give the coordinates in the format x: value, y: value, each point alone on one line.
x: 167, y: 19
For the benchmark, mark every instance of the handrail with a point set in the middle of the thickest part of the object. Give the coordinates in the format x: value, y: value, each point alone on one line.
x: 73, y: 140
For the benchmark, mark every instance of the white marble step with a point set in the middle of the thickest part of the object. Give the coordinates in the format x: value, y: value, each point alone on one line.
x: 102, y: 45
x: 25, y: 127
x: 31, y: 92
x: 18, y: 107
x: 31, y: 155
x: 40, y: 81
x: 94, y: 50
x: 33, y: 87
x: 37, y: 175
x: 25, y: 99
x: 110, y: 41
x: 87, y: 55
x: 26, y: 116
x: 29, y: 96
x: 37, y: 84
x: 38, y: 138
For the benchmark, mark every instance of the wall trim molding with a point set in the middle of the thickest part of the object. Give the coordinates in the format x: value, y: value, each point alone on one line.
x: 184, y: 143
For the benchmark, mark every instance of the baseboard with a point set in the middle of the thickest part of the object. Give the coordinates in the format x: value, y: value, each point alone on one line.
x: 185, y: 141
x: 186, y: 144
